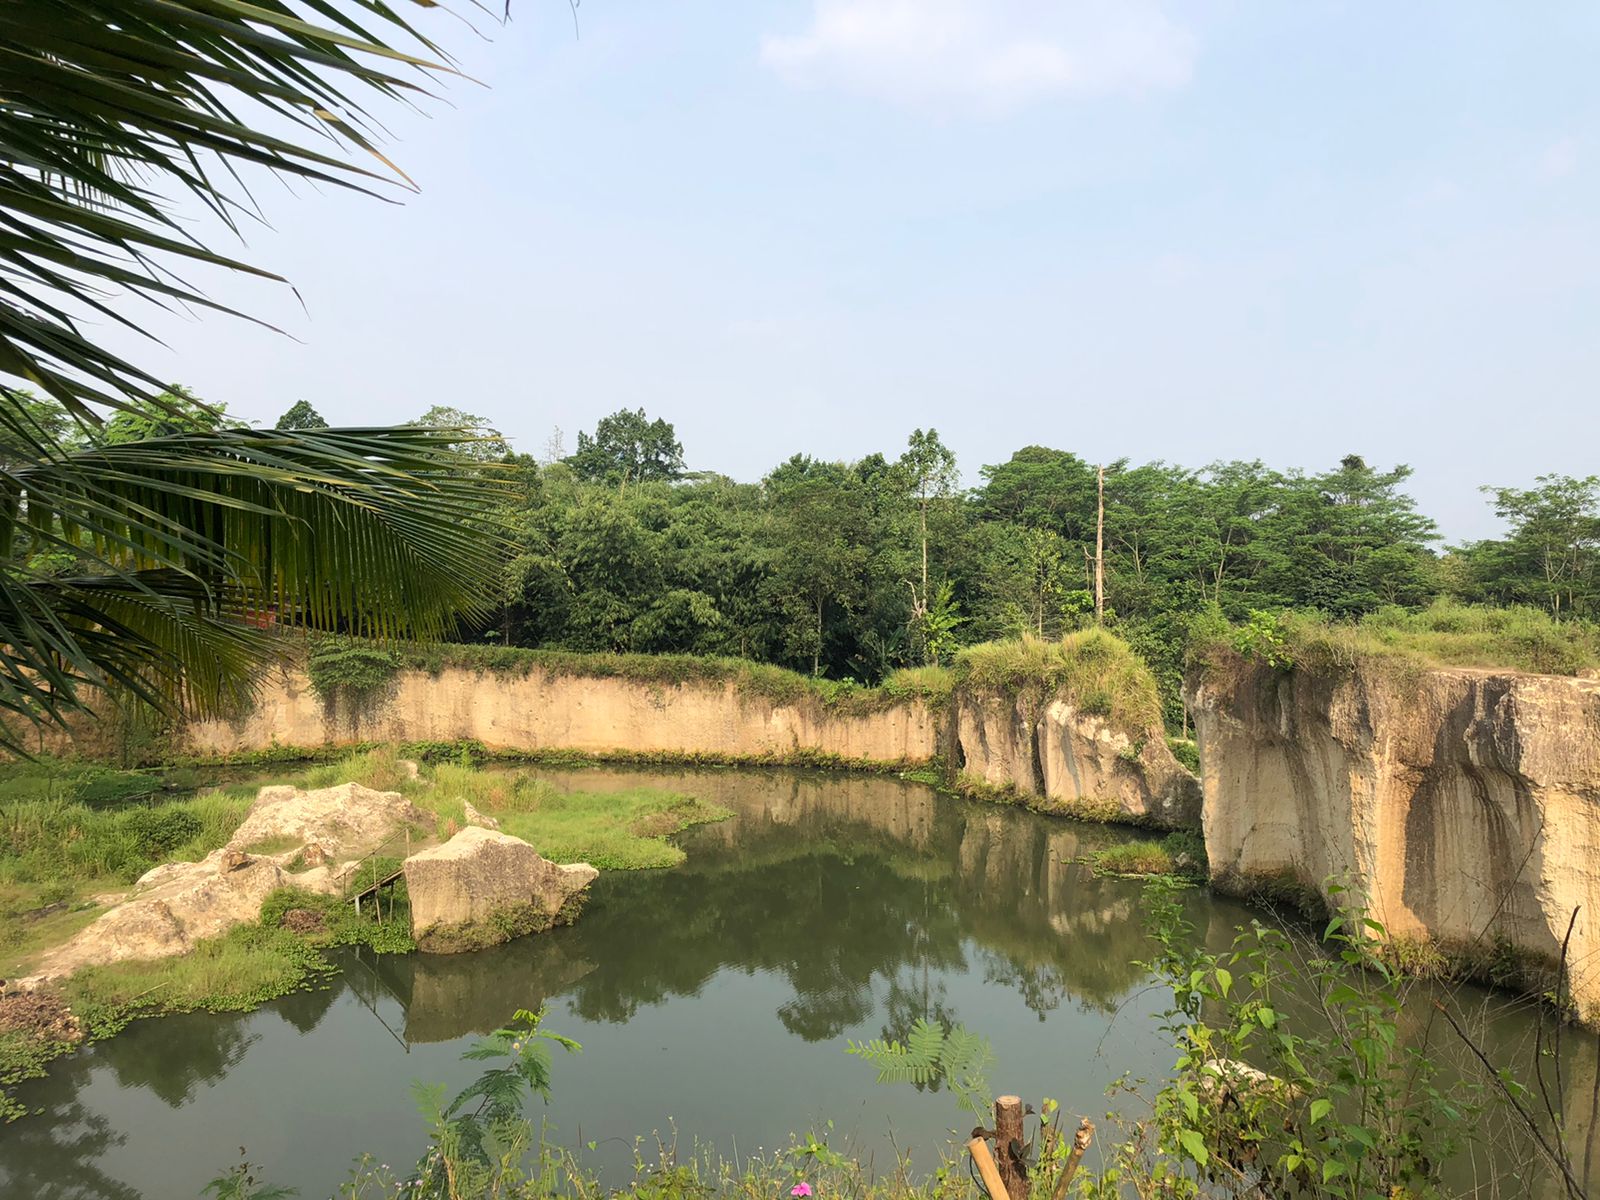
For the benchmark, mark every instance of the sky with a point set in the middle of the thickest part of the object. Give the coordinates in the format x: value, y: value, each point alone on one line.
x: 1125, y: 228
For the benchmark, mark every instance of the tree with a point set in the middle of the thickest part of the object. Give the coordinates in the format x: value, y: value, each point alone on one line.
x: 184, y: 536
x: 301, y: 416
x: 475, y: 437
x: 930, y: 470
x: 627, y: 447
x: 1551, y: 553
x: 175, y: 411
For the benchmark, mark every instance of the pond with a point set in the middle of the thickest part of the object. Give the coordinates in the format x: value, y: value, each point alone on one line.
x: 713, y: 1001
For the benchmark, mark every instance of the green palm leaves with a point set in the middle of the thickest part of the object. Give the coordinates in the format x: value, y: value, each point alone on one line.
x: 160, y: 565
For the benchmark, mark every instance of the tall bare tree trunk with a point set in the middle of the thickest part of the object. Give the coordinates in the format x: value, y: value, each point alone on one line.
x: 923, y: 513
x: 1100, y: 551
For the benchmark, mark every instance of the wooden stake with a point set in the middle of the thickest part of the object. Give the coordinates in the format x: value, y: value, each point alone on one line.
x: 1008, y: 1146
x: 990, y: 1174
x: 1080, y: 1143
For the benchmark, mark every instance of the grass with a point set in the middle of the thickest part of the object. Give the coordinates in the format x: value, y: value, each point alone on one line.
x: 625, y: 830
x: 777, y: 684
x: 243, y: 968
x: 1446, y: 634
x: 1180, y: 855
x: 619, y: 831
x: 1092, y: 670
x: 68, y: 831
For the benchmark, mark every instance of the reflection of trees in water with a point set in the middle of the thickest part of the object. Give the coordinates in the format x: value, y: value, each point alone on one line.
x: 806, y: 885
x: 173, y: 1058
x: 53, y: 1154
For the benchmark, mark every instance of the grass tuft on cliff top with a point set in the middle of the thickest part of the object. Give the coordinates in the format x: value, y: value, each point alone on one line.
x: 1095, y: 671
x: 776, y: 684
x: 1446, y: 634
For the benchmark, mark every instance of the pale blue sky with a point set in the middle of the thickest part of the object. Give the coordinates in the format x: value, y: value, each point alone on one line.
x: 1124, y: 228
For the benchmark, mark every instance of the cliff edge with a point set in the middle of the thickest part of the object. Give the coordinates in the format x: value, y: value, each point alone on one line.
x: 1462, y: 805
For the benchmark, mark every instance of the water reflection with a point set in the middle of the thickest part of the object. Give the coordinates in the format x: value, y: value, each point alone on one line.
x: 844, y: 888
x: 830, y: 908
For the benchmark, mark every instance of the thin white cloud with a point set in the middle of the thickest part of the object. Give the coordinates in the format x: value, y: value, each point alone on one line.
x: 989, y: 54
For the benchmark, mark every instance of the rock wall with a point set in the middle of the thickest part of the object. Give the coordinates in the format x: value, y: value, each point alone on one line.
x: 1463, y: 805
x: 1052, y: 751
x: 542, y: 712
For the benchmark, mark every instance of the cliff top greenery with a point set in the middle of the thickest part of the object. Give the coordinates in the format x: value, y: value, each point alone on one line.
x: 1093, y: 670
x: 1444, y: 634
x: 365, y: 667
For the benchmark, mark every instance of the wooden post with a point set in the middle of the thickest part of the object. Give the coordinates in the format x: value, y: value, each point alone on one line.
x: 1008, y: 1149
x: 990, y: 1174
x: 1080, y: 1143
x: 1100, y: 551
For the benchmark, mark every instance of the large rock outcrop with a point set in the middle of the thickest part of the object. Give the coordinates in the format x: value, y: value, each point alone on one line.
x: 1462, y: 805
x: 317, y: 837
x: 483, y: 887
x: 1052, y: 750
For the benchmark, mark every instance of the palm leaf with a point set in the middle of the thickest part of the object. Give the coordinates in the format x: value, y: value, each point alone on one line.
x: 110, y: 107
x: 109, y: 111
x: 184, y: 545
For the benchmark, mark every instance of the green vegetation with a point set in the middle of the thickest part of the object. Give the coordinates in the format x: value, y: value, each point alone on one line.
x: 1180, y: 855
x: 363, y: 668
x: 1187, y: 752
x: 339, y: 669
x: 68, y: 830
x: 1092, y: 669
x: 933, y: 1055
x: 621, y: 830
x: 1447, y: 634
x: 611, y: 830
x: 150, y: 554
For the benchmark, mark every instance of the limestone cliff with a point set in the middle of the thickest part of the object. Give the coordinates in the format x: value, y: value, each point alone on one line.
x: 541, y: 711
x: 1463, y: 805
x: 1054, y: 751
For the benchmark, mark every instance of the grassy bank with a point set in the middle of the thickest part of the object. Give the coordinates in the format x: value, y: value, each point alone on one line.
x: 1092, y: 670
x: 71, y: 834
x: 1445, y: 634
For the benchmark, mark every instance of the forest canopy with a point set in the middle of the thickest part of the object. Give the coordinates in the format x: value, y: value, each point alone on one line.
x: 851, y: 570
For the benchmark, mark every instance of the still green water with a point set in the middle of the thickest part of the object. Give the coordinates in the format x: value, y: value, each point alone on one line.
x: 713, y: 1002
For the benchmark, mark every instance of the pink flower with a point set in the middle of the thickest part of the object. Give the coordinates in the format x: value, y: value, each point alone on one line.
x: 800, y: 1189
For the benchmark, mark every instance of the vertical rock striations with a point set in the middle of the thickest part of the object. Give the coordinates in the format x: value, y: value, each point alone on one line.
x: 1462, y: 805
x: 1079, y: 762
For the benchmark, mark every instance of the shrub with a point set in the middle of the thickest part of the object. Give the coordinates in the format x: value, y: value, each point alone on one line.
x: 1093, y: 670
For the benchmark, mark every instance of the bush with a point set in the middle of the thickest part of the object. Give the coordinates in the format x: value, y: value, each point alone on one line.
x: 1445, y: 634
x: 339, y: 669
x: 1093, y: 670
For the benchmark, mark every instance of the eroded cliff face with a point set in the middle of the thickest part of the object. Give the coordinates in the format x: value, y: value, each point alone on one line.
x: 1055, y: 752
x: 1463, y: 805
x: 564, y: 712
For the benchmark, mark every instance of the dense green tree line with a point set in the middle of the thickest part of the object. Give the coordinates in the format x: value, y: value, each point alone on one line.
x: 853, y: 569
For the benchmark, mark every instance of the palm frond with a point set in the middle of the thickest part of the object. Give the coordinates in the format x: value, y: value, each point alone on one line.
x: 186, y: 547
x: 110, y: 107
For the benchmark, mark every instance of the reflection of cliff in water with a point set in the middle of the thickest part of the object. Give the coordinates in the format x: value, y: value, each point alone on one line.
x: 853, y: 889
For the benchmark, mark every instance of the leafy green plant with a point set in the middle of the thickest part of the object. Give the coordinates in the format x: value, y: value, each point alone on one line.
x: 353, y: 672
x: 932, y: 1054
x: 1264, y: 1102
x: 1263, y: 637
x: 480, y: 1140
